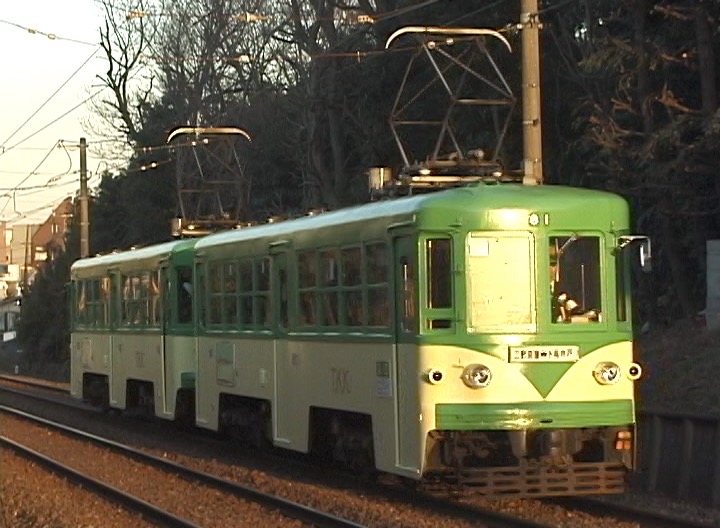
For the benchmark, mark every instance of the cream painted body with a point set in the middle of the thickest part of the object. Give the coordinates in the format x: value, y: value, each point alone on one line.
x: 386, y: 381
x: 144, y: 357
x: 297, y: 375
x: 508, y: 386
x: 90, y: 354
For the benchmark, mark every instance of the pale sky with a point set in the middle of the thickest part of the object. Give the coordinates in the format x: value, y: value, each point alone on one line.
x: 47, y: 46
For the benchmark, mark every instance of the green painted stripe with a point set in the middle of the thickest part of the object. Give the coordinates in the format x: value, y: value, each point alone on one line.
x: 532, y: 415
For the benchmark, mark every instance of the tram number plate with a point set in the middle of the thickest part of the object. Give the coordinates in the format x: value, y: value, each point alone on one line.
x: 532, y: 354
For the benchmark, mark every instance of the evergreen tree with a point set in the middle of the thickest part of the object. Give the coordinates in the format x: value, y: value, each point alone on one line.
x: 43, y: 327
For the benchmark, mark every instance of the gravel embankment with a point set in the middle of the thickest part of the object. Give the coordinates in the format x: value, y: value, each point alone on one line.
x: 30, y: 497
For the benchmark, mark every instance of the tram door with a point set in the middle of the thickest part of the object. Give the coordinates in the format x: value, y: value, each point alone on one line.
x: 284, y: 413
x: 405, y: 291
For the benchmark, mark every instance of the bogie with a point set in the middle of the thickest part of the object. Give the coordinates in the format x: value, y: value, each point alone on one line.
x: 185, y: 408
x: 245, y: 420
x: 345, y: 438
x: 96, y: 391
x: 140, y: 399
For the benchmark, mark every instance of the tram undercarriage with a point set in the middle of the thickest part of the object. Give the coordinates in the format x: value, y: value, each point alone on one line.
x: 544, y: 462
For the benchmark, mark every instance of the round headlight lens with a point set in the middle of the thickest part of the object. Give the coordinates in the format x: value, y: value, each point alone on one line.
x: 476, y: 376
x: 606, y: 373
x: 634, y: 372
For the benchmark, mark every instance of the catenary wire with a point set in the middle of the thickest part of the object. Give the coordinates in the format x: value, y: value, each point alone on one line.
x: 2, y: 145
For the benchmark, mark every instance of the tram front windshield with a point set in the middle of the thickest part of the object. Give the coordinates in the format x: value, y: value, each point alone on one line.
x: 500, y: 283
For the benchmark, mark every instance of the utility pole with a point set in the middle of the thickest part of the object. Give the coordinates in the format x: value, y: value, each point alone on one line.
x: 532, y: 129
x: 83, y: 199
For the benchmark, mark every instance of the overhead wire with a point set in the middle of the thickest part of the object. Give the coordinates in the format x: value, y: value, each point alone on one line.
x: 2, y: 145
x: 50, y: 36
x: 48, y: 205
x: 92, y: 96
x: 404, y: 10
x: 54, y: 179
x: 30, y: 174
x: 475, y: 12
x: 554, y: 7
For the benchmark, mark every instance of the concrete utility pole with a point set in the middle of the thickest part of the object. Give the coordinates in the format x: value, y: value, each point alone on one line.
x: 532, y: 129
x: 83, y: 199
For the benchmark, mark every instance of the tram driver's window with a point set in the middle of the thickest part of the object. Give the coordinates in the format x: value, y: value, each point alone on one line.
x: 439, y: 273
x: 407, y: 277
x: 439, y: 281
x: 575, y: 279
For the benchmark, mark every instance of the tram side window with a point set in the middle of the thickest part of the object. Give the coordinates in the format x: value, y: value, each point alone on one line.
x: 145, y: 288
x: 245, y: 273
x: 307, y: 283
x: 93, y: 304
x: 575, y: 279
x: 346, y: 287
x: 376, y: 264
x: 138, y: 294
x: 230, y: 294
x: 81, y: 304
x: 352, y: 290
x: 263, y: 312
x: 105, y: 292
x: 154, y: 307
x: 329, y: 283
x: 215, y: 282
x: 131, y: 300
x: 129, y: 309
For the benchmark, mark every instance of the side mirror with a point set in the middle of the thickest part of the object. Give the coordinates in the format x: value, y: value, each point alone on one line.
x: 645, y: 249
x: 646, y: 256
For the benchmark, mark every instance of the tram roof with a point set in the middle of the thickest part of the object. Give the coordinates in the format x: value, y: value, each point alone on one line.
x: 139, y: 256
x: 456, y: 201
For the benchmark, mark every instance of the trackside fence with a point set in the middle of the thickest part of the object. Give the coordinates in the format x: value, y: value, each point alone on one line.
x: 679, y: 455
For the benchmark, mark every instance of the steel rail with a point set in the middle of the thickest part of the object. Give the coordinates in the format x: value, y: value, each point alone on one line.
x: 286, y: 507
x: 130, y: 502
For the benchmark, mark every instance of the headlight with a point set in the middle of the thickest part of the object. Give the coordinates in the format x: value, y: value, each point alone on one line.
x: 434, y: 376
x: 476, y: 376
x: 634, y: 372
x: 606, y: 373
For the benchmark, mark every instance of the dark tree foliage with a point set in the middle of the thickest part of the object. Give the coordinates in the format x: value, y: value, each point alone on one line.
x: 643, y: 84
x: 132, y: 209
x: 270, y: 160
x: 44, y: 326
x: 135, y: 207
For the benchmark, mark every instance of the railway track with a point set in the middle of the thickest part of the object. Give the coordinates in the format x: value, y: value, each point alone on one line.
x: 60, y: 388
x: 225, y: 490
x: 128, y: 501
x: 608, y: 514
x: 165, y: 516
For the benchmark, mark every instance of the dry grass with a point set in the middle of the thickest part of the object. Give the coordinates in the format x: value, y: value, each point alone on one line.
x: 681, y: 369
